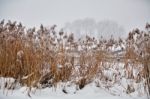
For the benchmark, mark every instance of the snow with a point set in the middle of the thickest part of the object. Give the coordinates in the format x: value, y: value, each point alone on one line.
x: 114, y: 88
x: 88, y: 92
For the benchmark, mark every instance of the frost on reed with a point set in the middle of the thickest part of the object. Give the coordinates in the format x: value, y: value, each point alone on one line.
x: 43, y: 58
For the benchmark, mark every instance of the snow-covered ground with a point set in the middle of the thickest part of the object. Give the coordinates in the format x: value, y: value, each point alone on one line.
x: 89, y: 92
x: 69, y: 90
x: 114, y: 88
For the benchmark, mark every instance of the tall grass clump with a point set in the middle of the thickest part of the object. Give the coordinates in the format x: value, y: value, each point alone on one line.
x: 43, y: 57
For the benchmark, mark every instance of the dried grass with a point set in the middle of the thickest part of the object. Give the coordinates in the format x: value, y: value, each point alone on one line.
x: 41, y: 56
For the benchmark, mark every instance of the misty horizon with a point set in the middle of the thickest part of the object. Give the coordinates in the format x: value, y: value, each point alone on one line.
x: 128, y: 14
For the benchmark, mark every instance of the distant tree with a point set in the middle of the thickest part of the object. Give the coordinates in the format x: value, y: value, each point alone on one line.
x: 82, y: 27
x: 107, y: 28
x: 89, y: 26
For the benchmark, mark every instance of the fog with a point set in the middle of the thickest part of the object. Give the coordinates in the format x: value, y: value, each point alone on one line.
x: 89, y: 26
x: 128, y: 14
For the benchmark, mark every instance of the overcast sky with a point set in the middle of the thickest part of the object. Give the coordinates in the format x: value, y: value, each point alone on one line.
x: 127, y: 13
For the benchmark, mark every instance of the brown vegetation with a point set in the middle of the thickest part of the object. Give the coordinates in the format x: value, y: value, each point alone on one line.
x: 45, y: 57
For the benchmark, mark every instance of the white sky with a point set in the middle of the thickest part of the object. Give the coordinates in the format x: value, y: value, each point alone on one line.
x: 127, y: 13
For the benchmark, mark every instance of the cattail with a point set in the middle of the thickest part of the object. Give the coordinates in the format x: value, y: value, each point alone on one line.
x: 70, y: 38
x: 42, y: 27
x: 2, y: 22
x: 9, y: 22
x: 20, y: 25
x: 130, y: 37
x: 137, y: 31
x: 61, y: 32
x: 147, y: 26
x: 14, y: 23
x: 53, y: 27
